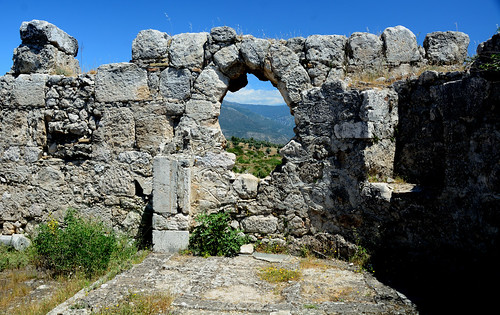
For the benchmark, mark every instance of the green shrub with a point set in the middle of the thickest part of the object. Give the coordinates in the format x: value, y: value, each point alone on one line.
x: 78, y: 245
x: 214, y: 237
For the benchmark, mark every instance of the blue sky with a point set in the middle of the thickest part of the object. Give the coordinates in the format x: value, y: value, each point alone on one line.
x: 105, y: 29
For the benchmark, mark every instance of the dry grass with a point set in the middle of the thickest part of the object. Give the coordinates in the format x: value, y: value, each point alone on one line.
x: 13, y: 287
x: 16, y: 296
x: 154, y: 303
x: 311, y: 262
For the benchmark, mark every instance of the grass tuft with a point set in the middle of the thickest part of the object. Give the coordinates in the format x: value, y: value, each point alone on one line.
x: 275, y: 275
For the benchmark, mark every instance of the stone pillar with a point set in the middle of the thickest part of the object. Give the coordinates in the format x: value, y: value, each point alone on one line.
x: 171, y: 202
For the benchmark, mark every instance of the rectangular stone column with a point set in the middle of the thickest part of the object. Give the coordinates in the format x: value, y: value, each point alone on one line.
x: 171, y: 202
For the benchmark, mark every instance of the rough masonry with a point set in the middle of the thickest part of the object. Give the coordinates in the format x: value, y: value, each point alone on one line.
x: 138, y: 144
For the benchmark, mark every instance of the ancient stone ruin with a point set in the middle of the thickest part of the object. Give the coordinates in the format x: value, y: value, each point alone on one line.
x: 138, y: 144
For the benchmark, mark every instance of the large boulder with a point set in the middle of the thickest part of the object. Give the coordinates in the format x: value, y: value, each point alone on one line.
x: 364, y: 50
x: 400, y: 45
x: 38, y: 32
x: 118, y: 82
x: 45, y: 49
x: 446, y: 48
x: 223, y: 34
x: 187, y: 50
x: 150, y: 44
x: 325, y: 54
x: 175, y: 83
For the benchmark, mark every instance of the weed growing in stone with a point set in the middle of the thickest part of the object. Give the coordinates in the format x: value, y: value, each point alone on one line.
x: 215, y: 237
x: 361, y: 256
x: 311, y: 306
x: 271, y: 248
x: 275, y: 275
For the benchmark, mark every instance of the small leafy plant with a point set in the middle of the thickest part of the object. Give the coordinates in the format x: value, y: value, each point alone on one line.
x: 493, y: 63
x: 78, y: 245
x: 215, y: 237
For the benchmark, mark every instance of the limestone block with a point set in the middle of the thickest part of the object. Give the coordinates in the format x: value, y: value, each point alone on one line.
x: 354, y: 130
x: 212, y: 84
x: 228, y: 61
x: 175, y: 83
x: 282, y: 60
x: 446, y: 48
x: 131, y: 222
x: 223, y: 160
x: 134, y: 157
x: 47, y: 59
x: 39, y: 32
x: 223, y: 34
x: 297, y: 45
x: 12, y: 154
x: 297, y: 226
x: 150, y: 44
x: 120, y: 82
x: 49, y: 177
x: 117, y: 128
x: 246, y: 249
x: 18, y: 241
x: 8, y: 228
x: 116, y: 181
x: 377, y: 190
x: 177, y: 222
x: 170, y: 241
x: 29, y: 90
x: 326, y: 49
x: 400, y: 45
x: 292, y: 150
x: 375, y: 107
x: 260, y: 224
x: 293, y: 83
x: 200, y: 109
x: 365, y: 49
x: 254, y: 51
x: 187, y: 50
x: 379, y: 157
x: 32, y: 154
x: 14, y: 129
x: 153, y: 132
x: 171, y: 184
x: 246, y: 185
x: 380, y: 108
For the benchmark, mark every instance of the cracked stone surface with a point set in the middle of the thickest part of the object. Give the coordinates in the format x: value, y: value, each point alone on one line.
x: 220, y: 285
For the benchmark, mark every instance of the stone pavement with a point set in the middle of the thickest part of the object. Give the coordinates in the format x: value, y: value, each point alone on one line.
x: 220, y: 285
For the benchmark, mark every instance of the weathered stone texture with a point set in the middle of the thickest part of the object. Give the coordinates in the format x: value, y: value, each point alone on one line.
x: 446, y: 48
x: 187, y: 50
x: 45, y: 49
x: 364, y: 50
x: 400, y: 45
x: 150, y: 44
x: 121, y: 82
x: 175, y: 83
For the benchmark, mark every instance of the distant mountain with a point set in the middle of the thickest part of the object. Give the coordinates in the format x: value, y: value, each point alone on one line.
x: 261, y: 122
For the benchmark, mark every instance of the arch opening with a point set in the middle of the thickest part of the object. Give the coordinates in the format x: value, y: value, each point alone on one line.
x: 257, y: 122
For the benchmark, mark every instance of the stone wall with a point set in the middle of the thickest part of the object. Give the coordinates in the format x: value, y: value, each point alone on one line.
x: 139, y: 146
